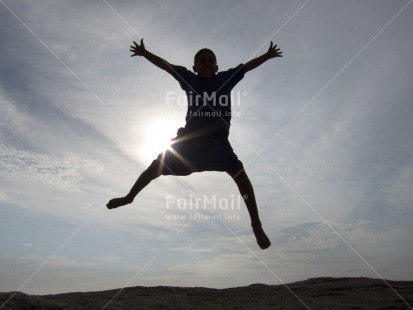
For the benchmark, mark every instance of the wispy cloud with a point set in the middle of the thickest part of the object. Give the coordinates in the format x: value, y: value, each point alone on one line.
x: 63, y: 173
x: 313, y: 235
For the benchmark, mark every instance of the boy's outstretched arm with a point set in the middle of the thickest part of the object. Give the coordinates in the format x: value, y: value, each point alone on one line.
x: 139, y: 50
x: 272, y: 52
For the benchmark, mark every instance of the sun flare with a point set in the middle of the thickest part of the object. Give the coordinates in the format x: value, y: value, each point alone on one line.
x: 157, y: 137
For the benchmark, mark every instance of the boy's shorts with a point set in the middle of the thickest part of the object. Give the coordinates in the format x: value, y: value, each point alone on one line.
x: 187, y: 154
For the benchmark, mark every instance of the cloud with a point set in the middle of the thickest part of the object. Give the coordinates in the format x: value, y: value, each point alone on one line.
x: 218, y: 270
x: 56, y: 262
x: 63, y: 173
x: 13, y: 120
x: 63, y: 274
x: 314, y: 235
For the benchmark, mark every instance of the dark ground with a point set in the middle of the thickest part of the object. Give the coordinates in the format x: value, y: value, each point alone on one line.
x: 318, y: 293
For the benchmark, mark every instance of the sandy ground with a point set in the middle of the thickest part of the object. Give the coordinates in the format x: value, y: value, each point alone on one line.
x: 319, y: 293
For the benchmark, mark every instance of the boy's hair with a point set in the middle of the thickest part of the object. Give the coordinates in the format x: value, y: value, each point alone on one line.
x: 204, y: 50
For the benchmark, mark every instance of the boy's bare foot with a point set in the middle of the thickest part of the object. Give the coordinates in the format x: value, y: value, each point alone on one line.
x: 261, y: 237
x: 118, y: 202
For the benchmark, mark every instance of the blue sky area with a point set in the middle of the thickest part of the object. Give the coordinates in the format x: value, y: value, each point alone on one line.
x: 325, y: 134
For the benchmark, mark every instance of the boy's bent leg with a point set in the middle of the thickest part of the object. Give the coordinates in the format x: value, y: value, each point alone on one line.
x: 151, y: 173
x: 247, y: 192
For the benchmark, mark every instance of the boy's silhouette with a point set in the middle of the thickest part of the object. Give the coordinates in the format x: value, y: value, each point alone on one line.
x: 202, y: 145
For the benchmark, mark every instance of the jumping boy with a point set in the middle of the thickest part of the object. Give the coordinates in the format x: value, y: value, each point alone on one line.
x: 202, y: 145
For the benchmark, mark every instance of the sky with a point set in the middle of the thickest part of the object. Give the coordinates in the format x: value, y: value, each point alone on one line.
x: 325, y: 135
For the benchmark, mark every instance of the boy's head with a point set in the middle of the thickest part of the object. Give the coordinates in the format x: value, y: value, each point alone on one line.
x: 205, y: 63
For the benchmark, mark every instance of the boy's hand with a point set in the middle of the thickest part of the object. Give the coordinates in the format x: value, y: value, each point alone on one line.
x: 273, y: 51
x: 138, y: 50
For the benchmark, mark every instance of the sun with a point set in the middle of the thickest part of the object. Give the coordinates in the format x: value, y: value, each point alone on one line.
x: 157, y: 135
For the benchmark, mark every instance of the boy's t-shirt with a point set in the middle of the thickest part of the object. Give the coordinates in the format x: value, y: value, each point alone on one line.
x: 209, y: 100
